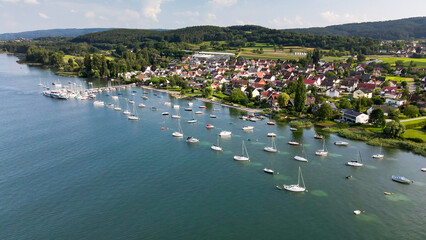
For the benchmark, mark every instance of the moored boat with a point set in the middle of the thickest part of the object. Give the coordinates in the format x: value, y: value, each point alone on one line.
x: 318, y: 136
x: 267, y: 170
x: 293, y: 129
x: 209, y: 126
x: 198, y: 112
x: 293, y: 143
x: 271, y: 135
x: 248, y: 128
x: 341, y: 143
x: 401, y: 179
x: 270, y: 123
x: 192, y: 140
x: 165, y: 113
x: 296, y: 187
x: 244, y: 154
x: 225, y: 133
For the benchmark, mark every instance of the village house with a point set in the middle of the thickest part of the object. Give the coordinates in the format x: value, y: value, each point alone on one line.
x: 385, y: 108
x: 367, y: 93
x: 352, y: 116
x: 395, y: 102
x: 349, y: 84
x: 332, y: 93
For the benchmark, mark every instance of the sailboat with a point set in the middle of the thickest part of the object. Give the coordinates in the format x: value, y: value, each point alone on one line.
x: 299, y: 158
x: 176, y: 116
x: 193, y: 120
x: 379, y: 155
x: 244, y: 154
x: 323, y: 151
x: 217, y: 146
x: 127, y: 112
x: 272, y: 148
x: 134, y: 116
x: 356, y: 163
x: 296, y: 188
x: 118, y: 108
x: 178, y: 133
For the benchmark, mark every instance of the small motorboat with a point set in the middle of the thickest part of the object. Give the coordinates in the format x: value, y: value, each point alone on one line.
x: 401, y: 179
x: 272, y: 135
x: 341, y: 143
x: 388, y: 193
x: 192, y: 121
x: 133, y: 117
x: 202, y: 107
x: 293, y: 129
x: 270, y: 123
x: 267, y: 170
x: 248, y: 128
x: 318, y: 136
x: 177, y: 134
x: 216, y: 148
x: 98, y: 103
x: 254, y: 119
x: 115, y: 97
x: 300, y: 159
x: 244, y: 117
x: 165, y: 113
x: 279, y: 188
x: 126, y: 112
x: 176, y: 106
x: 357, y: 212
x: 192, y: 140
x: 293, y: 143
x: 153, y: 109
x: 176, y: 116
x: 354, y: 164
x: 117, y: 109
x: 141, y: 105
x: 423, y: 169
x: 190, y: 104
x: 144, y: 97
x: 167, y: 103
x: 225, y: 133
x: 348, y: 177
x: 110, y: 105
x: 213, y: 116
x: 132, y: 102
x: 209, y: 126
x: 188, y: 109
x: 198, y: 112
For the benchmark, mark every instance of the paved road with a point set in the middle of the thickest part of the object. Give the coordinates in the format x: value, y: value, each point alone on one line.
x: 412, y: 119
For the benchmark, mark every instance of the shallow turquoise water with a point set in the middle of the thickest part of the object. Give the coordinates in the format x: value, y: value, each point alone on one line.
x: 69, y: 170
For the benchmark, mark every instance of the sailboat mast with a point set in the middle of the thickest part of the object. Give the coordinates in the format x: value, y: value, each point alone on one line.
x: 298, y: 177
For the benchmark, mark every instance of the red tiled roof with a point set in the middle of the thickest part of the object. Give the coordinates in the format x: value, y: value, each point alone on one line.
x: 367, y: 85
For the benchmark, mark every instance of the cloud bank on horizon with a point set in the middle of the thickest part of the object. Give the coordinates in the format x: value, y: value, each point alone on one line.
x: 26, y: 15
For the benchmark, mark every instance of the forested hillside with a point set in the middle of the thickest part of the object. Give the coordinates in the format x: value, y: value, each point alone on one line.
x: 401, y: 29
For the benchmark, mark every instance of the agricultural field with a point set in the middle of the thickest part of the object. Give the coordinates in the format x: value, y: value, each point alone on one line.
x: 399, y: 79
x: 415, y: 133
x: 420, y: 62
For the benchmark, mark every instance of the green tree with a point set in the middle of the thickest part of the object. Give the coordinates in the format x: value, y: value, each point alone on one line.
x: 300, y: 96
x: 238, y: 96
x: 411, y: 111
x: 377, y: 118
x: 361, y: 57
x: 345, y: 104
x: 283, y: 99
x: 324, y: 112
x: 207, y: 92
x: 394, y: 129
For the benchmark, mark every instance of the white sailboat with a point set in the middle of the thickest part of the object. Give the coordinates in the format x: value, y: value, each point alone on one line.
x: 217, y: 147
x: 134, y: 115
x: 379, y: 155
x: 177, y: 115
x: 323, y: 151
x: 178, y: 133
x: 127, y: 111
x: 118, y: 108
x: 225, y: 134
x: 273, y: 148
x: 272, y: 135
x: 301, y: 158
x: 244, y: 154
x: 248, y: 128
x: 193, y: 120
x: 296, y: 188
x: 357, y: 162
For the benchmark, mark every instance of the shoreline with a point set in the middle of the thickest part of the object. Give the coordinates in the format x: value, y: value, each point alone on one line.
x: 175, y: 94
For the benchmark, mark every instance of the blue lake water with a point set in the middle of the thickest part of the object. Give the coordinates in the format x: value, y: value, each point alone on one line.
x: 71, y: 170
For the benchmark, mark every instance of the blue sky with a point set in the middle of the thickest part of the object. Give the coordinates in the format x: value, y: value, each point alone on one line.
x: 25, y: 15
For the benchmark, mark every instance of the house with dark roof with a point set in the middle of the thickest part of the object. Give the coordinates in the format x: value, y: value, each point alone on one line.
x: 352, y: 116
x: 385, y: 109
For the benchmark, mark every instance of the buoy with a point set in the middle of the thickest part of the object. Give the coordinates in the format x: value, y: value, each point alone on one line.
x: 357, y: 212
x: 249, y: 139
x: 162, y: 128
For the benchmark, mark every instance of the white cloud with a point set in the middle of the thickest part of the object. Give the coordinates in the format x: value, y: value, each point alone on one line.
x: 103, y: 18
x: 224, y: 3
x: 9, y: 1
x: 89, y: 14
x: 152, y: 8
x: 131, y: 13
x: 42, y: 15
x: 287, y: 23
x: 211, y: 16
x: 330, y: 16
x: 188, y: 13
x: 72, y: 11
x: 31, y: 1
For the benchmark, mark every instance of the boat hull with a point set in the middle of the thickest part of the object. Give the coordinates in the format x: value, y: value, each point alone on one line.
x: 294, y: 188
x: 241, y: 158
x: 300, y: 159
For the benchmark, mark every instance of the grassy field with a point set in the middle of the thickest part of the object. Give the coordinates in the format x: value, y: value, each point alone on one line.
x: 420, y: 62
x: 415, y: 133
x: 399, y: 79
x: 67, y: 57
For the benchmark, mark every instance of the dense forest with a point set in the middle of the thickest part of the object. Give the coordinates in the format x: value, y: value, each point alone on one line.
x: 235, y: 36
x: 401, y: 29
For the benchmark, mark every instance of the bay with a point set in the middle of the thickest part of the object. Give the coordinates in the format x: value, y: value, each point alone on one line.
x: 70, y: 170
